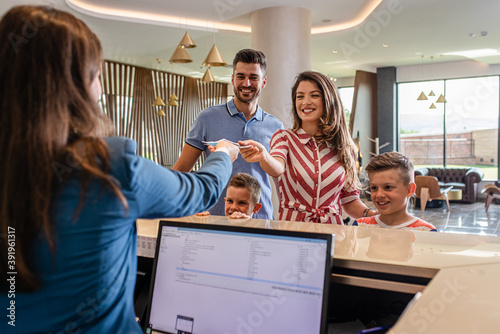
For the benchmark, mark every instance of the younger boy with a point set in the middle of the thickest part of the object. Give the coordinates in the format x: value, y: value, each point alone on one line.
x: 392, y: 185
x: 242, y: 197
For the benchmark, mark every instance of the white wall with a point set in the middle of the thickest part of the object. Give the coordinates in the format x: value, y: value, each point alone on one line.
x: 448, y: 70
x: 436, y: 71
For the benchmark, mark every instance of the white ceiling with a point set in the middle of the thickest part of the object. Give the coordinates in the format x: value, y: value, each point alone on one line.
x: 410, y: 28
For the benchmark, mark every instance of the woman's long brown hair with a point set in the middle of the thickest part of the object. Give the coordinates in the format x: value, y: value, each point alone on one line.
x: 333, y: 127
x: 50, y: 124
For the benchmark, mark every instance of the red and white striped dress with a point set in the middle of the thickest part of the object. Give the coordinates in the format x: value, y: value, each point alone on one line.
x: 312, y: 188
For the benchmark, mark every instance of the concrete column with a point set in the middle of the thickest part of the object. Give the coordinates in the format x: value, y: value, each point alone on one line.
x: 284, y: 35
x: 387, y: 109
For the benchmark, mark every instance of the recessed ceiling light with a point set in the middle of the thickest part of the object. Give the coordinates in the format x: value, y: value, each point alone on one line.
x: 473, y: 53
x: 334, y: 51
x: 385, y: 45
x: 336, y: 62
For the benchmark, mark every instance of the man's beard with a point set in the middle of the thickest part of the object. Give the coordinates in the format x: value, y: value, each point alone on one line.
x: 238, y: 95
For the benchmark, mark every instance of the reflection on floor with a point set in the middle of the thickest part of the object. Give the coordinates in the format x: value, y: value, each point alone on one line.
x: 463, y: 218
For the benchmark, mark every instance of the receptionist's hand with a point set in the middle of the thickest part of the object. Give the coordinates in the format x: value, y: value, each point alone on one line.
x: 227, y: 147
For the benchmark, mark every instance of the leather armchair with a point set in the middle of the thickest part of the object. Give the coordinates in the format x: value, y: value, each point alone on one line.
x: 465, y: 179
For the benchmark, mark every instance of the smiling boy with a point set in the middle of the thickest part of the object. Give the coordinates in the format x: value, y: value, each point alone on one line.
x: 392, y: 185
x: 242, y: 196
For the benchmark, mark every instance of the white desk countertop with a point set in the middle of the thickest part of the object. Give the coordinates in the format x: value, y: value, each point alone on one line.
x: 462, y: 297
x: 432, y: 250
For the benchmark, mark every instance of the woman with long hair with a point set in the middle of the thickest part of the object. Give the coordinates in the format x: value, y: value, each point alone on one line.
x: 315, y: 161
x: 69, y: 194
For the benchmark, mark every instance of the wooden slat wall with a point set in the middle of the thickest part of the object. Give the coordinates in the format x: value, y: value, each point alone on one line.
x: 128, y: 96
x: 117, y: 84
x: 209, y: 95
x: 169, y: 138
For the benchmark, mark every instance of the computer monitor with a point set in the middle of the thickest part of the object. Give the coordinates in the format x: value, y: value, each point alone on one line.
x: 228, y: 279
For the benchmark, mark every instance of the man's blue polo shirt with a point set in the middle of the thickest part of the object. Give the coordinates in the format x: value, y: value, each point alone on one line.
x: 225, y: 121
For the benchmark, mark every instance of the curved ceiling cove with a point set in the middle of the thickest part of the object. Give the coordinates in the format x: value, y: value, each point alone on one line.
x: 148, y: 14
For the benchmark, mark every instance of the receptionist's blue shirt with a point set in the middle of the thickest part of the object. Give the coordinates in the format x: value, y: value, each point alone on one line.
x: 88, y: 284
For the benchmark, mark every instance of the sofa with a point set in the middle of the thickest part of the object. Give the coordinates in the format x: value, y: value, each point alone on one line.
x: 465, y: 179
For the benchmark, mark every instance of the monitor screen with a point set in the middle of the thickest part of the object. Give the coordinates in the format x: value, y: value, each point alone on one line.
x: 226, y: 279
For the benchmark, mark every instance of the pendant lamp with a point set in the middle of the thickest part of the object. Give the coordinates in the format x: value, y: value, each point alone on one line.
x: 432, y: 106
x: 159, y: 103
x: 172, y: 101
x: 422, y: 97
x: 180, y: 55
x: 432, y: 93
x: 441, y: 99
x: 208, y: 77
x: 214, y: 58
x: 187, y: 42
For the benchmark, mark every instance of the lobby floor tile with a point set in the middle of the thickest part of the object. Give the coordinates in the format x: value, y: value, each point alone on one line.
x: 462, y: 217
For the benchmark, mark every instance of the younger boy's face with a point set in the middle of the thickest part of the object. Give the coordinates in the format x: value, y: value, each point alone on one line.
x: 240, y: 200
x: 388, y: 192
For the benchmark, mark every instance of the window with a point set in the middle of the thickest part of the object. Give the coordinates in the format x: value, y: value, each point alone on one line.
x: 461, y: 132
x: 421, y: 128
x: 346, y: 95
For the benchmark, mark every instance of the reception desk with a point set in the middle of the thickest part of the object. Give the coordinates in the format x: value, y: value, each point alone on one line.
x: 454, y: 277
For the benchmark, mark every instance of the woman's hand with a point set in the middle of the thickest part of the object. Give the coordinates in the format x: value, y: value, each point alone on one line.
x: 372, y: 212
x: 274, y: 166
x: 254, y: 153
